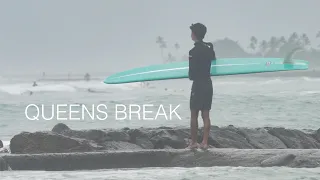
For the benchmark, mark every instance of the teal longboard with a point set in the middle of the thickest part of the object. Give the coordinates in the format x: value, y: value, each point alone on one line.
x: 219, y: 67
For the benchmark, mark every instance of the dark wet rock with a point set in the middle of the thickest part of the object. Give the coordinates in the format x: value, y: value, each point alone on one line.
x: 295, y: 139
x: 316, y: 135
x: 1, y: 144
x: 47, y: 142
x: 279, y: 160
x: 166, y: 158
x: 118, y: 145
x: 260, y: 139
x: 227, y: 137
x: 140, y: 138
x: 64, y: 139
x: 98, y: 136
x: 125, y: 129
x: 4, y: 165
x: 174, y: 138
x: 59, y: 128
x: 118, y: 135
x: 92, y: 134
x: 71, y: 141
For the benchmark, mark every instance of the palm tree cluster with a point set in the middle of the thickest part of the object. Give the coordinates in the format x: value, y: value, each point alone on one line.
x: 280, y: 44
x: 274, y: 47
x: 163, y: 45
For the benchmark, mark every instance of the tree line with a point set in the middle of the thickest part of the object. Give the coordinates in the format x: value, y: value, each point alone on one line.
x: 273, y: 47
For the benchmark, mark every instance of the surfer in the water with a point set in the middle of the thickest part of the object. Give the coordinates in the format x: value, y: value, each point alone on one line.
x: 200, y: 57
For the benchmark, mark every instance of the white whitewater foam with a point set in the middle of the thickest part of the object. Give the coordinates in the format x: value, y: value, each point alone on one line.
x: 309, y: 92
x: 17, y: 89
x: 173, y: 173
x: 231, y: 83
x: 310, y: 79
x: 21, y: 88
x: 6, y: 143
x: 273, y: 81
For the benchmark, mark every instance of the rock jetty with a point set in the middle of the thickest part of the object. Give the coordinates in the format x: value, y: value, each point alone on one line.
x: 63, y: 148
x: 62, y: 139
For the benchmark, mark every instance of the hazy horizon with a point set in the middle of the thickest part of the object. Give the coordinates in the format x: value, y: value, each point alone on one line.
x: 80, y: 36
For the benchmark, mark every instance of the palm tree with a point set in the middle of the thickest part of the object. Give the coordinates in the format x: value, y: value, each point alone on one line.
x: 293, y: 38
x: 273, y: 44
x: 253, y: 43
x: 159, y: 40
x: 162, y: 44
x: 170, y: 58
x: 177, y: 46
x: 305, y: 39
x: 263, y: 47
x: 282, y: 40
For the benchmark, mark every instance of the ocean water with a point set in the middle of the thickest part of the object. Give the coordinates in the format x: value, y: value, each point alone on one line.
x: 243, y: 101
x: 212, y: 173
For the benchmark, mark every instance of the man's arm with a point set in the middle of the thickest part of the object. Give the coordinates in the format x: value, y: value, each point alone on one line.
x: 193, y: 64
x: 214, y: 55
x: 213, y: 52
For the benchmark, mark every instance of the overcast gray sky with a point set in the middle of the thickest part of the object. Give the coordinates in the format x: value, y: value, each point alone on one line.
x: 104, y: 35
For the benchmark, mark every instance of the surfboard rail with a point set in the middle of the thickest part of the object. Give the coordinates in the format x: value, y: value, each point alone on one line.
x: 219, y: 67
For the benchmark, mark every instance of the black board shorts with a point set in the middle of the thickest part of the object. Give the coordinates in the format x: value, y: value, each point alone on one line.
x: 201, y: 95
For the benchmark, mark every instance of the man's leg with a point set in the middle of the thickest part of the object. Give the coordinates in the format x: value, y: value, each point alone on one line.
x: 194, y: 117
x: 194, y: 128
x: 206, y: 127
x: 205, y: 114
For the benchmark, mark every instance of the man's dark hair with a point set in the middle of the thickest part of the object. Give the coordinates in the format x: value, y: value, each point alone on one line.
x: 199, y: 30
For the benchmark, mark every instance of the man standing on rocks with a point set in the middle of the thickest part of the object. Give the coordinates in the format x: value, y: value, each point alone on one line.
x: 200, y: 58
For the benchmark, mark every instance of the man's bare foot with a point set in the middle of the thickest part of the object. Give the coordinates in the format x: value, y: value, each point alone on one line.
x: 204, y: 146
x: 193, y: 146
